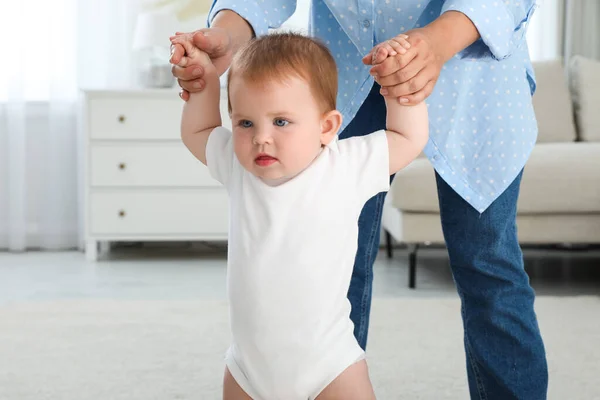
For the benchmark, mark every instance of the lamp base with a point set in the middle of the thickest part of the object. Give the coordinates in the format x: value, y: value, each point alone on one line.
x: 156, y: 76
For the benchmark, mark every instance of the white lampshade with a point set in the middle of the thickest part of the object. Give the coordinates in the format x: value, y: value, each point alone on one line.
x: 154, y: 28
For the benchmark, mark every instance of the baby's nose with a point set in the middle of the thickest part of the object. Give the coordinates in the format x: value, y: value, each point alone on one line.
x: 262, y: 136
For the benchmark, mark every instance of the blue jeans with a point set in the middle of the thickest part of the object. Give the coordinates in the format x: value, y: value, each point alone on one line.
x: 504, y: 350
x: 505, y: 353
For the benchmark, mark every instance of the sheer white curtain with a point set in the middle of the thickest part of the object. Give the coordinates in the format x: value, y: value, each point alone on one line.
x: 582, y: 33
x: 564, y: 28
x: 545, y: 31
x: 50, y: 49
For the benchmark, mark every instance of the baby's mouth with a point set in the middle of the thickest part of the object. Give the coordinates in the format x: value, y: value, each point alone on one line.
x: 264, y: 160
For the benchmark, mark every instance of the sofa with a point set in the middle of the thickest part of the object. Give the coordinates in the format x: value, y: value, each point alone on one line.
x: 559, y: 199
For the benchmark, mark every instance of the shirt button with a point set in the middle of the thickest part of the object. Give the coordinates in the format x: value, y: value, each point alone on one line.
x: 435, y: 158
x: 366, y: 23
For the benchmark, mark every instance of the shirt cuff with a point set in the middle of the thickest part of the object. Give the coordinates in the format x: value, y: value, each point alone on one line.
x: 250, y: 11
x: 502, y: 28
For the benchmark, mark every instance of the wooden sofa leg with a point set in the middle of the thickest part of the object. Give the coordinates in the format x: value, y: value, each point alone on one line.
x: 388, y: 244
x: 412, y: 266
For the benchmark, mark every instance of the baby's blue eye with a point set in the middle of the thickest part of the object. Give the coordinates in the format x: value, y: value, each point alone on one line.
x: 280, y: 122
x: 245, y: 123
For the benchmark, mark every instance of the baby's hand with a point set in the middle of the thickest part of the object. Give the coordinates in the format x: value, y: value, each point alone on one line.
x: 193, y: 55
x: 391, y: 47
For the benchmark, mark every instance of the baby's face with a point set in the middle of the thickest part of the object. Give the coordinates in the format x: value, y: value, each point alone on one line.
x: 277, y: 127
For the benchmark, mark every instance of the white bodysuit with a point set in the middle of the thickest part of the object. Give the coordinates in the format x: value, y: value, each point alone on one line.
x: 290, y: 259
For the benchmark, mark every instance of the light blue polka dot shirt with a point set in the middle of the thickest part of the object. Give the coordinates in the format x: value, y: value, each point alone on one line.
x: 482, y: 122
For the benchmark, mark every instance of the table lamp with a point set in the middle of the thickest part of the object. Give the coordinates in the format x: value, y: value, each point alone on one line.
x: 151, y: 42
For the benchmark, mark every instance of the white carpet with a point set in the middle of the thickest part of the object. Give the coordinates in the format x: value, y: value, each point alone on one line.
x: 123, y: 350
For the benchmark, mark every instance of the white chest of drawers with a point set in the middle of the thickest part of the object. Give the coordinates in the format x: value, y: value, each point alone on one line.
x: 141, y: 183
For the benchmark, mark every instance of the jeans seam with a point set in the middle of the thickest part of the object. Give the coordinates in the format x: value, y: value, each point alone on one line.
x: 468, y: 352
x: 480, y: 386
x: 369, y: 272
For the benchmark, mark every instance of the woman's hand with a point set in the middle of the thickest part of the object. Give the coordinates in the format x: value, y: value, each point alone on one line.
x: 410, y: 76
x: 215, y: 42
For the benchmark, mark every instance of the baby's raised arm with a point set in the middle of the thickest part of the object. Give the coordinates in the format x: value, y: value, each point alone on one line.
x: 407, y: 127
x: 201, y: 113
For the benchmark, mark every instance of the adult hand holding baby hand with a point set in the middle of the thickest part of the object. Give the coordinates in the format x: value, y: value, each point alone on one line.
x: 411, y: 75
x: 193, y: 55
x: 215, y: 42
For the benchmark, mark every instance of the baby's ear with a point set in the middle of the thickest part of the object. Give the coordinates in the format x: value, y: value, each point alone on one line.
x: 330, y: 125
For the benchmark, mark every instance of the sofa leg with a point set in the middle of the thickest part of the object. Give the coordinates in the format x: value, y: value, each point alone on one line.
x: 412, y: 266
x: 388, y: 244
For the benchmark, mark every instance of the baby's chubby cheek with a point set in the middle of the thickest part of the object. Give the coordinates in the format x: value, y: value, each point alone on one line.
x: 243, y: 149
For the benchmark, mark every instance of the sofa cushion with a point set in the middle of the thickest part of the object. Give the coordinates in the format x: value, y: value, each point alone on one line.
x: 558, y: 178
x: 414, y: 188
x: 552, y: 103
x: 533, y: 228
x: 584, y: 78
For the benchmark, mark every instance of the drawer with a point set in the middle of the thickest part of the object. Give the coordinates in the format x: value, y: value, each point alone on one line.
x: 156, y: 213
x: 128, y: 117
x: 146, y: 164
x: 135, y: 117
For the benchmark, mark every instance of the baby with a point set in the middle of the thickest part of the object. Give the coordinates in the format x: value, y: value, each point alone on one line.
x: 296, y: 193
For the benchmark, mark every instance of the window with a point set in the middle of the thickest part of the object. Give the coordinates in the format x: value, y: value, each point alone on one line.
x: 545, y: 31
x: 38, y: 39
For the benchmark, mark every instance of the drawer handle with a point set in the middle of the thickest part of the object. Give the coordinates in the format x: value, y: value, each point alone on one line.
x: 122, y: 166
x: 121, y: 118
x: 122, y: 213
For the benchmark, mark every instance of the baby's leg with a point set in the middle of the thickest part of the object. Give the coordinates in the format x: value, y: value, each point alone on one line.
x: 231, y: 389
x: 352, y: 384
